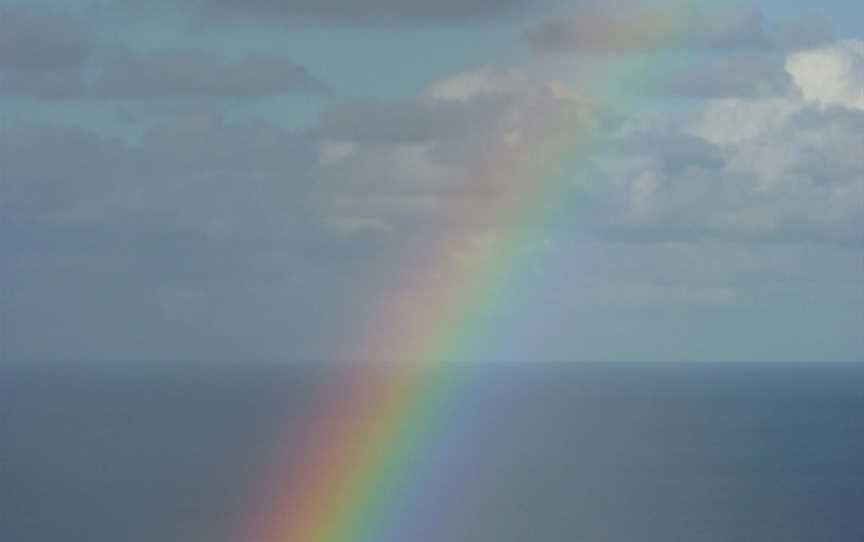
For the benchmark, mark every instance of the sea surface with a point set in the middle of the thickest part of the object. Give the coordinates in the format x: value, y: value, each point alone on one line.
x: 531, y: 452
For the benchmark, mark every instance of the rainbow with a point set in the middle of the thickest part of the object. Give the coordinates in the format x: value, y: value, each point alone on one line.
x: 360, y: 452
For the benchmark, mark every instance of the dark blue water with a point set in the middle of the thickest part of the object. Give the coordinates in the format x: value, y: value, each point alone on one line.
x: 645, y: 453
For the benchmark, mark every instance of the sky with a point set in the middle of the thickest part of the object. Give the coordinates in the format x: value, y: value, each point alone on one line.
x: 260, y: 180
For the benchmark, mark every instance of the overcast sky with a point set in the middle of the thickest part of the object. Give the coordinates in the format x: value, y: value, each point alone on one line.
x: 253, y: 179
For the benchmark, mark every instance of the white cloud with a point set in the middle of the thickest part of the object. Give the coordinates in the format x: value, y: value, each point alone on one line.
x: 781, y: 168
x: 490, y: 81
x: 831, y: 75
x: 466, y: 85
x: 332, y: 152
x: 792, y: 166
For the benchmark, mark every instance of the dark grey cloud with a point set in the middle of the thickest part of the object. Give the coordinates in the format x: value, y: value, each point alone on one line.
x: 810, y: 29
x: 200, y: 173
x: 410, y: 171
x: 165, y: 75
x: 177, y: 73
x: 53, y: 84
x: 598, y: 28
x: 593, y: 29
x: 742, y: 74
x: 187, y: 231
x: 407, y: 122
x: 339, y: 12
x: 203, y: 220
x: 369, y: 11
x: 43, y: 52
x: 836, y: 159
x: 42, y: 39
x: 83, y: 165
x: 209, y: 143
x: 53, y: 55
x: 676, y: 152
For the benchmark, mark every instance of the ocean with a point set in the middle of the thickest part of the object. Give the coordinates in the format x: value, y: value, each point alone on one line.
x: 532, y: 452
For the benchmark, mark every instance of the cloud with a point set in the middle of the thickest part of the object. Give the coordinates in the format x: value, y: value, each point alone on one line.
x: 806, y: 31
x: 784, y: 168
x: 736, y: 74
x: 188, y: 229
x: 591, y: 30
x: 198, y: 73
x: 491, y: 82
x: 257, y: 239
x: 43, y: 52
x: 83, y: 165
x: 52, y: 84
x: 746, y: 168
x: 34, y: 39
x: 401, y: 122
x: 831, y: 75
x: 50, y: 54
x: 776, y: 168
x: 345, y: 11
x: 691, y: 51
x: 466, y: 142
x: 167, y: 74
x: 629, y: 28
x: 348, y: 12
x: 184, y: 174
